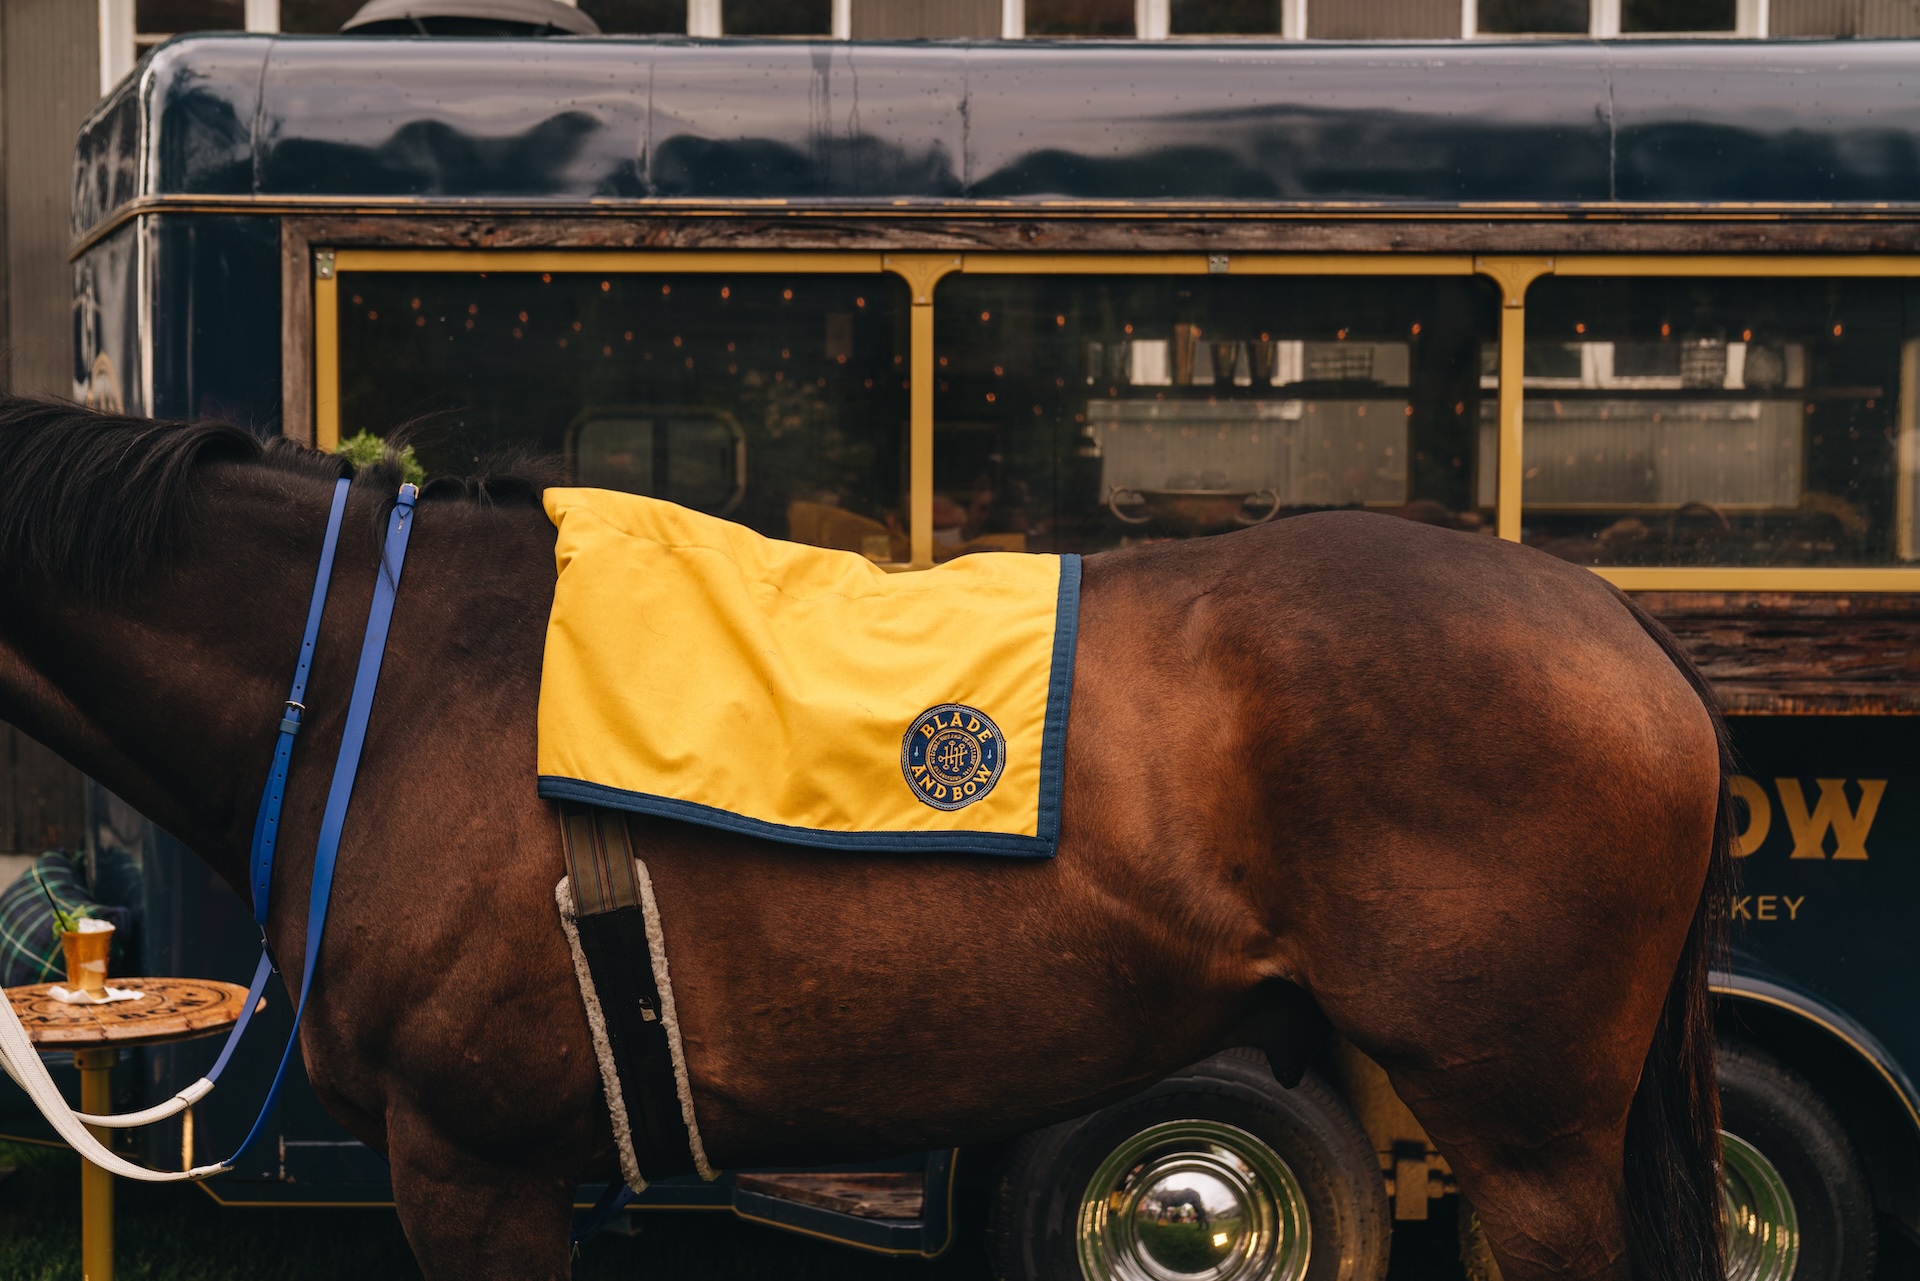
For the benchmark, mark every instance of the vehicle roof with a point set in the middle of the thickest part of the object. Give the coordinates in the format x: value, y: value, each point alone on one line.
x: 992, y: 124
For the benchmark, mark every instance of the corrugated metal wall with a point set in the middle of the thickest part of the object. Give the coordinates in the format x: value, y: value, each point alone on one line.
x: 49, y: 80
x: 1845, y: 17
x: 1383, y: 19
x: 908, y: 19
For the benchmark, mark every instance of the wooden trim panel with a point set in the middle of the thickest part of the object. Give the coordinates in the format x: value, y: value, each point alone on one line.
x: 1800, y: 653
x: 1132, y: 231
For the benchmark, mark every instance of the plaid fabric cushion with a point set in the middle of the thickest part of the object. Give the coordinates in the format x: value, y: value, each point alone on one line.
x: 29, y: 943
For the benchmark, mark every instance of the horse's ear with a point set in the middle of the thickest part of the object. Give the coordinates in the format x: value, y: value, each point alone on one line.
x: 516, y: 487
x: 516, y: 481
x: 295, y: 456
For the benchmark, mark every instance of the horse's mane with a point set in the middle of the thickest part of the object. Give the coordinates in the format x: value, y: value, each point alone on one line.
x: 93, y: 500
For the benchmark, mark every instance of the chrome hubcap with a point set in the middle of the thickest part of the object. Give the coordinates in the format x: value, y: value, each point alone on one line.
x: 1193, y: 1201
x: 1763, y: 1233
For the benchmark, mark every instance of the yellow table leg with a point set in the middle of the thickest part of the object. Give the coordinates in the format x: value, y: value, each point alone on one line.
x: 96, y: 1185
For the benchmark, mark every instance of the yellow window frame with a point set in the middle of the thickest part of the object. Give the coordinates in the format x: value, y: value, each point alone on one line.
x: 1512, y: 274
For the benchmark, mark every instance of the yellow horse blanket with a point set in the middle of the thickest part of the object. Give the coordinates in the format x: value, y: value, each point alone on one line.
x: 699, y: 671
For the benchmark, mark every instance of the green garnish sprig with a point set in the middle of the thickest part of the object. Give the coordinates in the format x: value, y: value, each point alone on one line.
x: 67, y: 922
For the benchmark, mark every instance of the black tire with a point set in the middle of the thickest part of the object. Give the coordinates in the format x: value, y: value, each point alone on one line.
x: 1781, y: 1117
x: 1034, y: 1225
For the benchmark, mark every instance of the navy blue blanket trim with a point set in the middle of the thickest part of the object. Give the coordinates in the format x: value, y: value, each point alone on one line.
x: 1053, y: 740
x: 554, y: 788
x: 1053, y: 768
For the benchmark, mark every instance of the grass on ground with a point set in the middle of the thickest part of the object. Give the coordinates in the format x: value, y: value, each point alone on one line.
x: 176, y: 1232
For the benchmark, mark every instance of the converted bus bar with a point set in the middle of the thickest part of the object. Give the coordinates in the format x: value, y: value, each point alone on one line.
x: 1651, y: 307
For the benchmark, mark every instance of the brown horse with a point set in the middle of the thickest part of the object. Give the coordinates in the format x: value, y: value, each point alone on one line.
x: 1462, y: 794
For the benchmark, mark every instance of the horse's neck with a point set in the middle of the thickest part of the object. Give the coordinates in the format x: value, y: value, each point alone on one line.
x: 171, y: 696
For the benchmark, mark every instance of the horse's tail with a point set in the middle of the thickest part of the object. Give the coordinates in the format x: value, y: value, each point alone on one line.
x: 1673, y: 1130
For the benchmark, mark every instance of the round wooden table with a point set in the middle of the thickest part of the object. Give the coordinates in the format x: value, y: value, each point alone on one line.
x: 168, y: 1010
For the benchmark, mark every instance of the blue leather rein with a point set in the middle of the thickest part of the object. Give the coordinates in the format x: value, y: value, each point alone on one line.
x: 266, y: 827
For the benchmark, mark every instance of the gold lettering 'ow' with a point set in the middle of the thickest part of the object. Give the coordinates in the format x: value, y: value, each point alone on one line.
x: 1809, y: 827
x: 1849, y: 825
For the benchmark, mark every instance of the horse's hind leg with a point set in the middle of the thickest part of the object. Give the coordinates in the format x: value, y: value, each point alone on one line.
x: 1519, y: 1045
x: 469, y: 1218
x: 1544, y: 1175
x: 1515, y: 1022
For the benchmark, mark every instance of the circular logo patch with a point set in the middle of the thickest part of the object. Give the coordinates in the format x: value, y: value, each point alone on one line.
x: 952, y: 755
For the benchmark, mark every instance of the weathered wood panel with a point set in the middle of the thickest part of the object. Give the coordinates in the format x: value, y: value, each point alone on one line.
x: 296, y: 334
x: 1144, y: 231
x: 870, y: 1196
x: 1800, y: 653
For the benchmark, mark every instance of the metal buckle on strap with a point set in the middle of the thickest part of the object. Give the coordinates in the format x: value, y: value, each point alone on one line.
x: 290, y: 723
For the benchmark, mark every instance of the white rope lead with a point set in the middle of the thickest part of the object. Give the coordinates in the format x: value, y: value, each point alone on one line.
x: 22, y: 1062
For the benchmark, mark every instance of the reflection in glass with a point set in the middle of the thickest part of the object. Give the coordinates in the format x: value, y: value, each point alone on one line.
x: 1077, y: 413
x: 1731, y: 455
x: 637, y: 17
x: 1733, y: 422
x: 155, y: 21
x: 777, y: 401
x: 1225, y: 17
x: 323, y: 17
x: 1112, y: 19
x: 1533, y: 17
x: 189, y: 15
x: 1202, y: 466
x: 776, y: 17
x: 694, y: 457
x: 1651, y: 16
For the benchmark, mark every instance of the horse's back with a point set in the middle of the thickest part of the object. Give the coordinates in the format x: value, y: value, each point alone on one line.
x: 1384, y: 633
x: 1372, y: 714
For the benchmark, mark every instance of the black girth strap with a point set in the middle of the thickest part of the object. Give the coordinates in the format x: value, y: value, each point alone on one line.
x: 613, y: 935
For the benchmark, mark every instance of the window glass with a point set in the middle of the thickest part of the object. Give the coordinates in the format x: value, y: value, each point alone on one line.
x: 316, y: 17
x: 777, y: 401
x: 1079, y: 413
x: 638, y: 17
x: 1112, y: 18
x: 1651, y: 16
x: 774, y: 17
x: 1718, y: 422
x: 155, y: 21
x: 1225, y: 17
x: 1533, y: 17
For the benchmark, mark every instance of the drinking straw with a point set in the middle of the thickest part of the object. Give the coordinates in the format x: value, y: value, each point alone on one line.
x: 61, y: 917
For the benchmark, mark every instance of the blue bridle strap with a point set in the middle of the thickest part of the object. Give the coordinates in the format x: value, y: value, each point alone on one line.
x: 339, y: 795
x: 266, y: 823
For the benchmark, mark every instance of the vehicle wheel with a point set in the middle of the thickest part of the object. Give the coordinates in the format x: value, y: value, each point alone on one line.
x: 1798, y: 1203
x: 1216, y: 1172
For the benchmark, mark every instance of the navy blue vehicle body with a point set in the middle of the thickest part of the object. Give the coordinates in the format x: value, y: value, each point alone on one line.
x: 187, y: 175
